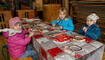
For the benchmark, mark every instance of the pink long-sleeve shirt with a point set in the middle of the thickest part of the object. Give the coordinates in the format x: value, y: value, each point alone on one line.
x: 17, y: 43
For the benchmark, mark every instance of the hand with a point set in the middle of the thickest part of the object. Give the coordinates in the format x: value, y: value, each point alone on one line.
x: 84, y: 29
x: 61, y: 27
x: 38, y: 29
x: 29, y: 30
x: 31, y: 34
x: 53, y: 25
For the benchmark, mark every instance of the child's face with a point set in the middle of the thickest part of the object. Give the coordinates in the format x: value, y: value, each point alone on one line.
x: 62, y: 15
x: 18, y: 27
x: 89, y: 22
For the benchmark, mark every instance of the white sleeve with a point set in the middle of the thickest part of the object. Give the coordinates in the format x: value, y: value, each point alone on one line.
x: 5, y: 30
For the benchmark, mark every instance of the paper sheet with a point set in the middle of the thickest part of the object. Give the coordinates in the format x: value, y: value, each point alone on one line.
x: 42, y: 40
x: 96, y: 44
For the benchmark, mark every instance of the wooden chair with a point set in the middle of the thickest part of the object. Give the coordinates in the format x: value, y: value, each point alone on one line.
x: 4, y: 51
x: 4, y: 19
x: 26, y: 13
x: 27, y: 58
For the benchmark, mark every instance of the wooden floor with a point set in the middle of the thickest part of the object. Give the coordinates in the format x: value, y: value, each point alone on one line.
x: 3, y: 42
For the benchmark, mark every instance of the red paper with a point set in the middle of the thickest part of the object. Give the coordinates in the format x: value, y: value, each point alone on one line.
x: 55, y: 51
x: 51, y: 29
x: 24, y: 23
x: 44, y: 53
x: 88, y: 40
x: 36, y: 31
x: 63, y: 38
x: 78, y: 56
x: 50, y: 24
x: 40, y: 32
x: 29, y: 18
x: 70, y: 37
x: 38, y: 36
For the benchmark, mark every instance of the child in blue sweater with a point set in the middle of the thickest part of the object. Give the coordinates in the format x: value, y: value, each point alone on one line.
x: 90, y: 29
x: 63, y: 22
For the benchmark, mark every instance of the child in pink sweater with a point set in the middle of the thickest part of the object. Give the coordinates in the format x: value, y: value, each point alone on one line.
x: 17, y: 43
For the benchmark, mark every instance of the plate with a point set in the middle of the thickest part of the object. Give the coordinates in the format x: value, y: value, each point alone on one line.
x: 75, y: 48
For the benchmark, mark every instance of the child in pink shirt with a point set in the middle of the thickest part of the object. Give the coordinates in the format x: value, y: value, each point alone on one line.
x: 17, y: 43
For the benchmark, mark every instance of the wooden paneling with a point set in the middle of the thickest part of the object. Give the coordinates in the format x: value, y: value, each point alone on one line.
x: 26, y: 13
x: 66, y: 4
x: 4, y: 18
x: 92, y: 0
x: 50, y: 12
x: 52, y: 1
x: 39, y: 5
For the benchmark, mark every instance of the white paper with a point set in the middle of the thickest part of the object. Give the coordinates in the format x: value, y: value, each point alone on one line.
x: 42, y: 40
x: 96, y: 44
x: 44, y: 31
x: 88, y: 48
x: 79, y: 43
x: 48, y: 45
x: 64, y: 57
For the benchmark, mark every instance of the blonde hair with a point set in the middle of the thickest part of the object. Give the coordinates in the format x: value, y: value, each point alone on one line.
x: 63, y: 9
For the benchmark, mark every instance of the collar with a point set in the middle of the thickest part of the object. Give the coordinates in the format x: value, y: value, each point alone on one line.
x: 13, y: 32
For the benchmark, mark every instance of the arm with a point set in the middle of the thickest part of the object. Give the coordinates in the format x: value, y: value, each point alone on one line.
x: 70, y: 26
x: 22, y: 41
x: 93, y: 35
x: 6, y: 34
x: 54, y: 22
x: 25, y: 31
x: 81, y: 31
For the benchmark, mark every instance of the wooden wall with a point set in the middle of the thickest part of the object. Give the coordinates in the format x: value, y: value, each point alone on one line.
x: 26, y: 13
x: 6, y: 15
x: 39, y: 5
x: 52, y: 1
x: 4, y: 18
x: 50, y: 12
